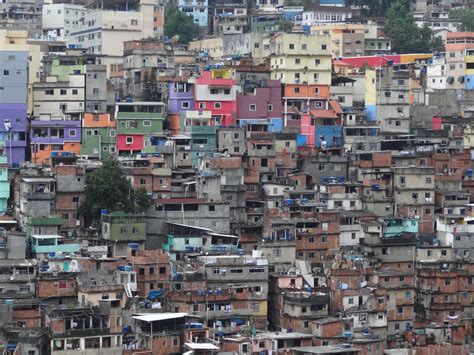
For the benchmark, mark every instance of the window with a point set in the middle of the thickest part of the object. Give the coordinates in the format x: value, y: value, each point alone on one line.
x: 49, y: 92
x: 95, y: 90
x: 414, y: 195
x: 317, y: 61
x: 447, y: 282
x: 402, y: 180
x: 146, y: 123
x: 123, y: 230
x: 185, y: 104
x: 6, y: 72
x: 296, y: 90
x: 353, y: 236
x: 129, y: 140
x: 252, y: 107
x: 322, y: 167
x: 212, y: 208
x: 400, y: 310
x: 384, y: 251
x: 428, y: 180
x: 202, y: 105
x: 217, y: 105
x: 216, y: 271
x: 74, y: 91
x: 351, y: 301
x: 291, y: 46
x: 75, y: 199
x: 269, y: 107
x: 323, y: 47
x: 297, y: 61
x: 72, y: 133
x: 134, y: 22
x: 63, y: 91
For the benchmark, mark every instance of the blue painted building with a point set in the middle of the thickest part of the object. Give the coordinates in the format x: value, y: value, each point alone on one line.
x: 198, y: 9
x: 395, y: 226
x: 328, y: 136
x: 13, y: 104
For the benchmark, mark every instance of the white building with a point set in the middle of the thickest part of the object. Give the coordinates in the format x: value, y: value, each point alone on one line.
x: 104, y: 29
x: 61, y: 20
x: 323, y: 14
x: 436, y: 73
x: 438, y: 21
x: 54, y: 100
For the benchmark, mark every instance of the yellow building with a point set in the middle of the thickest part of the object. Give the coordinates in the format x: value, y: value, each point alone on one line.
x: 301, y: 58
x: 17, y: 40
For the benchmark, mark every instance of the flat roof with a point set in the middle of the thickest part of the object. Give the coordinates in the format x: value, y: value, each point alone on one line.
x: 222, y: 235
x: 201, y: 346
x: 144, y: 103
x: 153, y: 317
x: 329, y: 349
x: 189, y: 226
x: 46, y: 236
x: 281, y: 335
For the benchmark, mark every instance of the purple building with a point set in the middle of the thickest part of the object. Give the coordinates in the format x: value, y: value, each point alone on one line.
x: 181, y: 97
x: 51, y: 138
x: 13, y: 116
x: 262, y: 106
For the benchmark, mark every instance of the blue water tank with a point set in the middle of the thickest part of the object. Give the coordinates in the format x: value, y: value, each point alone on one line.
x: 133, y: 246
x: 104, y: 211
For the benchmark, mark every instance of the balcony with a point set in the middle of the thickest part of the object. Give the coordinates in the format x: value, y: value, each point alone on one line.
x: 63, y: 248
x: 86, y: 332
x: 39, y: 195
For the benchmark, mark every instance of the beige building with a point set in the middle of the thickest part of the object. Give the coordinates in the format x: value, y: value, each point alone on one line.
x: 300, y: 58
x: 347, y: 40
x: 107, y: 25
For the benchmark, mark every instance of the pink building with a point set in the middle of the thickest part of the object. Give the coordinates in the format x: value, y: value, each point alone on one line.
x: 216, y: 91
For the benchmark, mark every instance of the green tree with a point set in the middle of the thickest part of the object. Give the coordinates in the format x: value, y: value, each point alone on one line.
x: 405, y: 35
x: 150, y: 88
x: 108, y: 188
x: 465, y: 16
x: 177, y: 23
x: 285, y: 26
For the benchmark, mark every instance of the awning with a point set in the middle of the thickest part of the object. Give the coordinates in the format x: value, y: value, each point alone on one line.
x: 201, y: 346
x: 154, y: 317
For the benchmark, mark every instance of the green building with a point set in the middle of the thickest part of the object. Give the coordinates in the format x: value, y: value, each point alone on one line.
x: 197, y: 125
x: 120, y: 228
x: 139, y: 126
x: 4, y: 184
x: 99, y: 136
